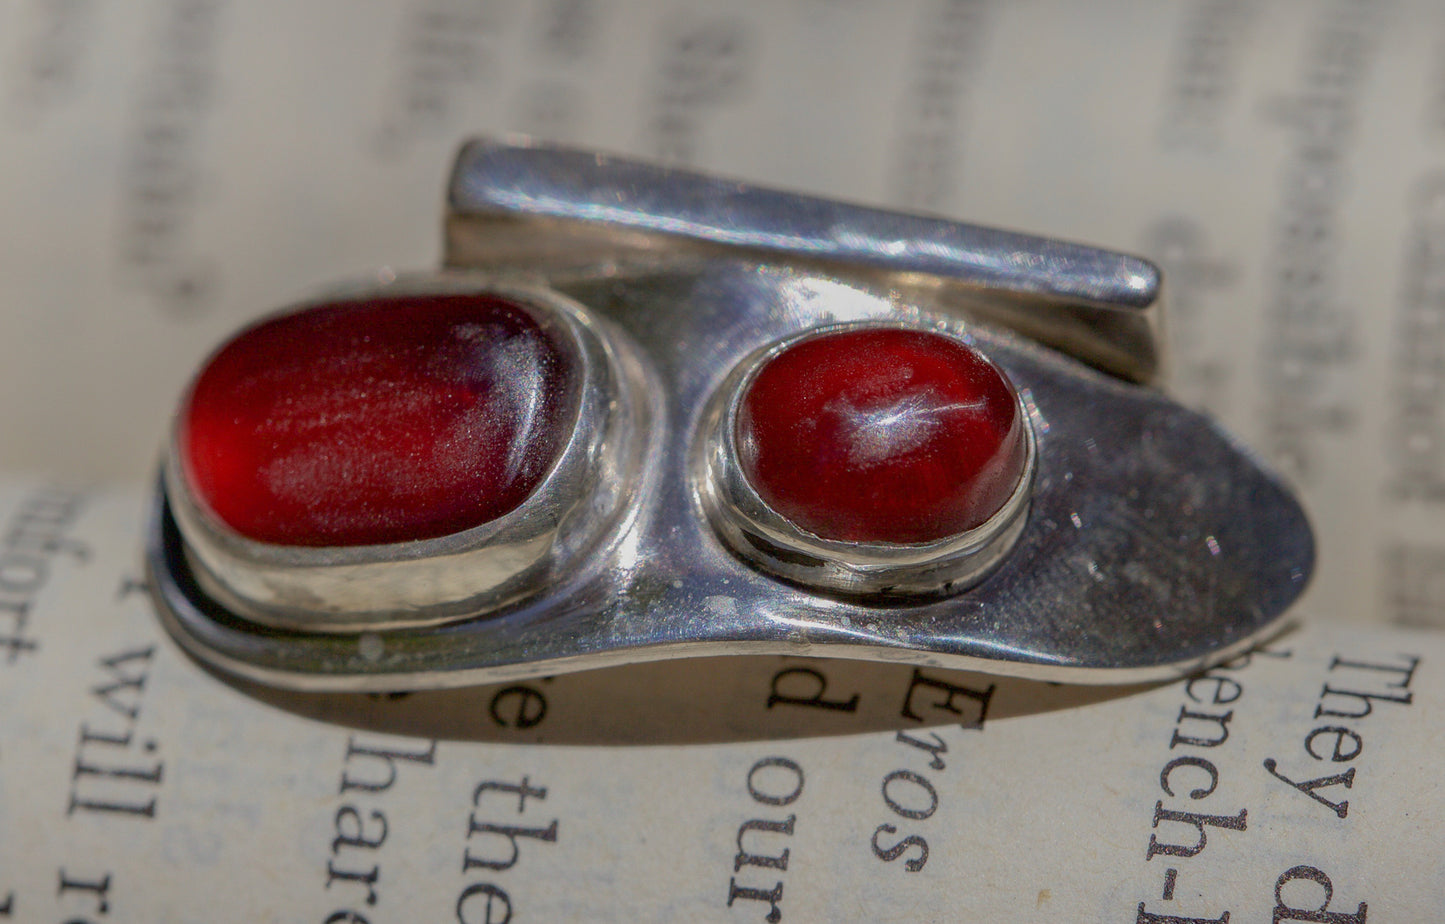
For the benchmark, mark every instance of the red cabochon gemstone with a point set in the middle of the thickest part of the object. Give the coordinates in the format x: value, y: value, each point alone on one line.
x: 379, y: 420
x: 882, y: 435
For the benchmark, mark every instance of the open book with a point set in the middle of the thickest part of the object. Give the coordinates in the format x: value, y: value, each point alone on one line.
x: 181, y: 166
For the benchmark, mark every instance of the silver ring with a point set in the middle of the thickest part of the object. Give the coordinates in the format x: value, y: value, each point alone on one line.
x: 1139, y: 541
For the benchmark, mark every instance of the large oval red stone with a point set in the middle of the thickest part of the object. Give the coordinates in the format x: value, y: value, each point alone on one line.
x: 379, y: 420
x: 882, y: 435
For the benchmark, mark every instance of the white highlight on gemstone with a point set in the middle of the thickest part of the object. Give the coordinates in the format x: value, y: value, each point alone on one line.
x: 877, y: 434
x: 512, y: 367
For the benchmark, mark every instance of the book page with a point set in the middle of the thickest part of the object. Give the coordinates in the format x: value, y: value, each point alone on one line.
x: 1293, y: 784
x: 171, y: 169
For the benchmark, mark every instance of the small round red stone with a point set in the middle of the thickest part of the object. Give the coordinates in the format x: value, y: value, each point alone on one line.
x: 881, y: 435
x: 379, y: 420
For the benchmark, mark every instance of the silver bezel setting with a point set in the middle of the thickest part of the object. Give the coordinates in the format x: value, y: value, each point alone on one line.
x: 757, y: 532
x: 579, y: 501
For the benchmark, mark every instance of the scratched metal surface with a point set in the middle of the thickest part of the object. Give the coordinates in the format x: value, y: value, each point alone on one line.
x: 1155, y: 544
x: 549, y: 181
x: 544, y: 205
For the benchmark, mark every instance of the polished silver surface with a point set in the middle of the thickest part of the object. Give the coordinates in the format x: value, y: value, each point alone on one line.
x: 1149, y: 546
x: 581, y: 503
x: 1154, y: 545
x: 550, y: 207
x: 758, y: 533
